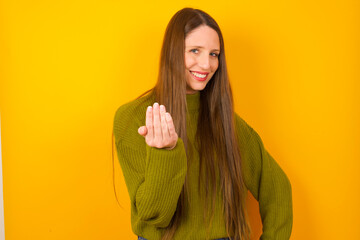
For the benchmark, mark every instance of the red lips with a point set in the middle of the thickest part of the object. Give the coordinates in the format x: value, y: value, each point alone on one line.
x: 198, y: 78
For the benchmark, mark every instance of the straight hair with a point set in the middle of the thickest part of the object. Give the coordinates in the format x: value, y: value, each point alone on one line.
x: 217, y: 141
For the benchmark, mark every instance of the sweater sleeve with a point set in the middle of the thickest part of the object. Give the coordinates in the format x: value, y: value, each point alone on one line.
x: 154, y: 177
x: 269, y: 185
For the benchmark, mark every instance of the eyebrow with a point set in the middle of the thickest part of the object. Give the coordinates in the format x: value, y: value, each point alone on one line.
x: 202, y: 47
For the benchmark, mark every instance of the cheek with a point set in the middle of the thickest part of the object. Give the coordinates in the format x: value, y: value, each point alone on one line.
x: 189, y: 61
x: 214, y: 66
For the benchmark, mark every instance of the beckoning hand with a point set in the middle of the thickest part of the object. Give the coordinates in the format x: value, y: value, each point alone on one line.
x: 159, y: 131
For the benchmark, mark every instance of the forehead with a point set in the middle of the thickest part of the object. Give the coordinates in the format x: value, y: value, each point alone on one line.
x: 203, y: 36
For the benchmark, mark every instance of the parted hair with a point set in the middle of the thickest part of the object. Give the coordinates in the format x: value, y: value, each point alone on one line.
x: 216, y: 139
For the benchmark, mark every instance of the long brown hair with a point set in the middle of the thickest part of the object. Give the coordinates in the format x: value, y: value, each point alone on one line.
x: 218, y: 144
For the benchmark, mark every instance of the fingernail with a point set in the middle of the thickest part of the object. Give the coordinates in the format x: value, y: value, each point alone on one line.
x: 149, y: 108
x: 162, y: 107
x: 156, y: 104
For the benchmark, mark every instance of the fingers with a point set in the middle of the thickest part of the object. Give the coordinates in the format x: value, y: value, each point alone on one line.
x: 164, y: 127
x: 157, y: 123
x: 170, y: 124
x: 159, y: 131
x: 149, y: 123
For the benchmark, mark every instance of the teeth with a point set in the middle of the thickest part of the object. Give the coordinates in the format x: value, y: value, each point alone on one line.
x: 198, y: 75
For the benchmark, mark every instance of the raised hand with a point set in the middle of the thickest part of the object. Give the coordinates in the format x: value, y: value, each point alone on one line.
x: 159, y: 131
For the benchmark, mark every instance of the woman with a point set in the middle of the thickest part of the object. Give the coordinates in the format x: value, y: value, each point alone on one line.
x: 189, y: 167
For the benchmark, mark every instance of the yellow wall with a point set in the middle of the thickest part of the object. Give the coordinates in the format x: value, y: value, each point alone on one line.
x: 67, y: 65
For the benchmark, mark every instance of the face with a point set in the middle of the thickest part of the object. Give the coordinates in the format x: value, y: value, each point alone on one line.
x: 202, y: 48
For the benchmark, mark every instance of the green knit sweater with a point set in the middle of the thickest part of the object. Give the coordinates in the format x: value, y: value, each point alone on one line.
x: 154, y: 179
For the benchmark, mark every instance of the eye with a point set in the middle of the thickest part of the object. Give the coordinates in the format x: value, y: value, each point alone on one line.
x: 214, y: 54
x: 194, y: 50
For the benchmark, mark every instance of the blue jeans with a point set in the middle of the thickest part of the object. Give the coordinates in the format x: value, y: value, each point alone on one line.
x: 141, y: 238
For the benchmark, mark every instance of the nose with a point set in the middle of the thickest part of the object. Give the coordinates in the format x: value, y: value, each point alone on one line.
x: 204, y: 61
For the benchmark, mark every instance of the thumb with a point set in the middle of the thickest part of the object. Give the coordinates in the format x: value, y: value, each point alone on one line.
x: 142, y: 131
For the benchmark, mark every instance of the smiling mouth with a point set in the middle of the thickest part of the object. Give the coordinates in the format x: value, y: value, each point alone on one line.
x: 199, y: 76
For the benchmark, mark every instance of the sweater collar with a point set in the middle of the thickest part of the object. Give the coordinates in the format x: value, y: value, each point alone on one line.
x: 192, y: 101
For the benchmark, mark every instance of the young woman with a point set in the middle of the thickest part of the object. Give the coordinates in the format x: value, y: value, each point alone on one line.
x: 188, y: 160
